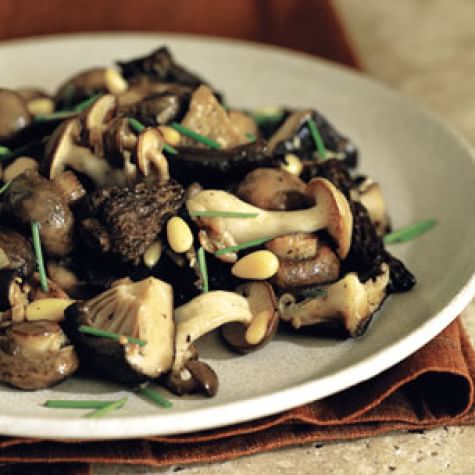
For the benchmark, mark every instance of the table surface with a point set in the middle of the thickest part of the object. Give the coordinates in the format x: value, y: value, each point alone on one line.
x: 425, y: 50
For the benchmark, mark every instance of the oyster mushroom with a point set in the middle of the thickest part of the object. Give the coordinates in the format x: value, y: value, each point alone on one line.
x: 31, y: 197
x: 13, y: 296
x: 36, y: 355
x: 63, y: 151
x: 14, y: 114
x: 141, y: 310
x: 347, y: 303
x: 273, y: 189
x: 332, y: 212
x: 303, y: 261
x: 150, y: 159
x: 88, y: 83
x: 371, y: 197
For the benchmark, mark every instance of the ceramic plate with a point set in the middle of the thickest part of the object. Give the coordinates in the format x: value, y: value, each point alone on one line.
x: 425, y: 172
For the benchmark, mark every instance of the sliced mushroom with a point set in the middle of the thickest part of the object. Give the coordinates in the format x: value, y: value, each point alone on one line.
x: 30, y: 197
x: 347, y: 303
x: 36, y: 355
x: 303, y: 261
x: 207, y: 117
x: 63, y: 152
x: 261, y: 330
x: 371, y: 197
x: 37, y: 101
x: 141, y: 310
x: 332, y: 212
x: 13, y: 296
x: 150, y: 159
x: 14, y: 114
x: 70, y: 186
x: 18, y: 166
x: 273, y: 189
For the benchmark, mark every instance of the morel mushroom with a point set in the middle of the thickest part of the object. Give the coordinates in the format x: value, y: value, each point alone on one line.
x: 332, y: 212
x: 30, y: 197
x: 347, y: 303
x: 141, y: 310
x: 36, y: 355
x: 126, y: 220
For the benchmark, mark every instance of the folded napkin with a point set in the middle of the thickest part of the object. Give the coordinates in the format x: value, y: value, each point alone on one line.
x: 433, y: 387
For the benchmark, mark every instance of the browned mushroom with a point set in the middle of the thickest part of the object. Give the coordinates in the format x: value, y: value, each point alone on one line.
x: 273, y: 189
x: 14, y: 114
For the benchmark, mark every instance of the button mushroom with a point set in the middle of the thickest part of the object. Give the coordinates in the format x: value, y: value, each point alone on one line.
x: 35, y: 355
x: 303, y: 261
x: 16, y: 252
x: 37, y: 101
x: 347, y: 303
x: 14, y: 114
x: 273, y: 189
x: 141, y: 310
x: 30, y: 197
x: 332, y: 212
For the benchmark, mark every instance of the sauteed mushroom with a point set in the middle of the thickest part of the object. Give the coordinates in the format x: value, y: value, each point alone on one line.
x: 14, y: 114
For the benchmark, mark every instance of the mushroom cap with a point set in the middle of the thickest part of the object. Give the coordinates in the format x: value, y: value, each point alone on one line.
x: 14, y: 114
x: 150, y: 158
x: 340, y: 219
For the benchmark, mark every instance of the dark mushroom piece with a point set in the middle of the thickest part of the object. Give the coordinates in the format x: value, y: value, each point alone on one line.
x: 263, y: 305
x: 16, y: 252
x: 141, y: 310
x: 30, y: 197
x: 294, y: 136
x: 14, y: 115
x: 13, y: 295
x: 347, y: 303
x: 36, y: 355
x: 273, y: 189
x: 303, y: 261
x: 126, y: 220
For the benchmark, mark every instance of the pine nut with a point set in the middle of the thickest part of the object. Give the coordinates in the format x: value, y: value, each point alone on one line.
x: 47, y: 309
x: 259, y: 265
x: 17, y: 167
x: 171, y: 136
x: 40, y: 106
x: 115, y: 83
x: 257, y: 330
x: 292, y: 164
x: 152, y: 254
x: 179, y: 235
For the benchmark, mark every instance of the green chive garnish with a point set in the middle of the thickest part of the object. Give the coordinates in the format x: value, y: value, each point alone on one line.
x: 137, y: 127
x: 317, y: 139
x: 55, y: 115
x: 410, y: 232
x: 195, y: 136
x: 114, y: 336
x: 5, y: 186
x: 4, y: 150
x: 222, y: 214
x: 154, y: 396
x: 203, y: 269
x: 251, y: 136
x: 35, y: 231
x: 86, y: 103
x: 108, y: 408
x: 265, y: 115
x: 73, y: 404
x: 244, y: 245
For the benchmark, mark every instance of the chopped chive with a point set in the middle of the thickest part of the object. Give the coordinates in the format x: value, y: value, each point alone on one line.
x: 5, y: 187
x: 72, y: 404
x: 203, y: 269
x: 195, y: 136
x: 317, y: 139
x: 137, y: 127
x: 35, y: 231
x: 54, y: 116
x: 86, y: 103
x: 107, y: 408
x: 114, y: 336
x: 4, y: 150
x: 154, y: 396
x: 222, y: 214
x: 251, y: 136
x: 244, y: 245
x: 409, y: 232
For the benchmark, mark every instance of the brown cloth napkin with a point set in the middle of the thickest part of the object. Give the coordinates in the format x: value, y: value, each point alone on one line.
x: 433, y: 387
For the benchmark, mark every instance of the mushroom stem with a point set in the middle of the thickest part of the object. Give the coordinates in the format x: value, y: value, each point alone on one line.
x: 332, y: 212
